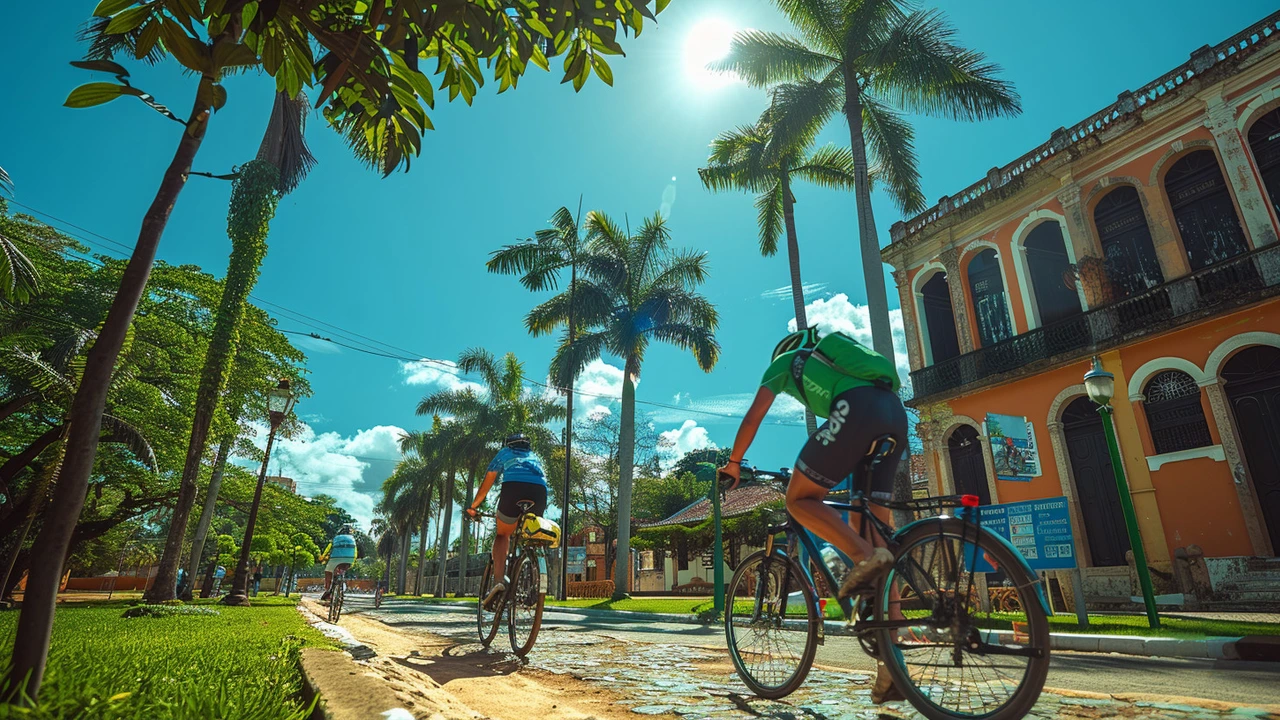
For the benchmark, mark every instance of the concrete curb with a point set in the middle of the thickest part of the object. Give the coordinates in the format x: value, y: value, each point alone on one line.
x: 1211, y: 648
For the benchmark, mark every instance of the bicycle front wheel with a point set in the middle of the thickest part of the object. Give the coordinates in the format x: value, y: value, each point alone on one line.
x: 524, y: 603
x: 947, y: 666
x: 335, y: 603
x: 486, y: 622
x: 771, y: 624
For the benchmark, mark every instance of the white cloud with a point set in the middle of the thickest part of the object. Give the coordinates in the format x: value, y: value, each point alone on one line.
x: 689, y: 436
x: 443, y: 374
x: 727, y: 409
x: 599, y: 385
x: 784, y: 292
x: 349, y: 469
x: 838, y: 314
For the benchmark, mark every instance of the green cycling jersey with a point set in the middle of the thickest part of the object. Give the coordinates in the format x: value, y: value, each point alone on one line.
x: 837, y: 365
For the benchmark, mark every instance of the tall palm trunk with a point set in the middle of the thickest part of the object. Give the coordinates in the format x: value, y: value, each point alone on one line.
x: 465, y: 553
x: 35, y: 626
x: 418, y: 588
x: 627, y: 461
x: 206, y: 513
x: 872, y: 273
x: 402, y: 570
x: 793, y: 259
x: 442, y: 554
x: 253, y: 204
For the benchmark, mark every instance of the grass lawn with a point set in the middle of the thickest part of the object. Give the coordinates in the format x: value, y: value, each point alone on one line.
x: 241, y: 663
x: 1098, y: 624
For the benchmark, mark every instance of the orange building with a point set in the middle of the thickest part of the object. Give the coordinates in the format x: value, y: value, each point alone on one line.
x: 1145, y: 234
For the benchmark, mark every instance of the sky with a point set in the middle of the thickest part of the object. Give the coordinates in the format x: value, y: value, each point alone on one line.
x: 400, y: 260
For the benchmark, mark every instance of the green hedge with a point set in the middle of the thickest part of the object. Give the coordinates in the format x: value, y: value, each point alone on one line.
x: 240, y: 663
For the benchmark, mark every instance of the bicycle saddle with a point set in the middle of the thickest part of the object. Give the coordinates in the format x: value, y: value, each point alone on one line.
x: 880, y: 448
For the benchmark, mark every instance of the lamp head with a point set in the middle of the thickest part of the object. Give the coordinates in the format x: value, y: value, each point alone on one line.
x: 1099, y: 384
x: 280, y: 401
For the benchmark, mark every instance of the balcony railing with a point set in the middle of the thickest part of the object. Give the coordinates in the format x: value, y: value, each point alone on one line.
x: 1127, y: 102
x: 1213, y: 290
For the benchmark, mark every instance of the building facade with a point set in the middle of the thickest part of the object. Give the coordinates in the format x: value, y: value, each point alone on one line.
x: 1146, y: 235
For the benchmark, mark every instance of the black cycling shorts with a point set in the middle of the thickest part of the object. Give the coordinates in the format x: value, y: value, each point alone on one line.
x: 837, y: 448
x: 513, y: 492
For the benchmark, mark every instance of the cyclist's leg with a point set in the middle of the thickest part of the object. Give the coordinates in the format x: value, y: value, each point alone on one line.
x: 804, y: 502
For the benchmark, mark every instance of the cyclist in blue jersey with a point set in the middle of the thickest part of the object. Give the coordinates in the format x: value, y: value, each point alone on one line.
x: 523, y: 479
x: 338, y: 556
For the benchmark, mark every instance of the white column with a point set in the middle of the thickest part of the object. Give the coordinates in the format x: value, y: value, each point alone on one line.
x: 1220, y: 118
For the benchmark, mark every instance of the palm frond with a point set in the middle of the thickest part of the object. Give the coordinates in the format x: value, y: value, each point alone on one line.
x: 829, y: 167
x: 699, y: 340
x: 284, y: 144
x: 919, y: 68
x: 892, y: 144
x: 105, y: 47
x: 572, y: 357
x: 681, y: 269
x: 37, y: 372
x: 6, y: 182
x: 448, y: 402
x: 798, y: 110
x: 769, y: 218
x: 818, y: 20
x: 19, y: 278
x: 480, y: 361
x: 764, y: 58
x: 515, y: 259
x: 120, y: 432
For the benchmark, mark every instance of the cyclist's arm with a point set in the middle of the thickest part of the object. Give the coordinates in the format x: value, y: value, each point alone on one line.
x: 324, y: 555
x: 751, y: 423
x: 481, y: 492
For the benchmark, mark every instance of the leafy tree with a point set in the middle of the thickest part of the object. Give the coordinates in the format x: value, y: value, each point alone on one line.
x: 374, y: 94
x: 657, y: 498
x: 870, y: 60
x: 688, y: 463
x: 303, y: 552
x: 633, y: 290
x: 764, y: 158
x: 19, y: 279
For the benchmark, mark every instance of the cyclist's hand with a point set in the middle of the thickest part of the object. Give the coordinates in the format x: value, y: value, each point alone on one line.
x: 729, y: 476
x: 472, y: 513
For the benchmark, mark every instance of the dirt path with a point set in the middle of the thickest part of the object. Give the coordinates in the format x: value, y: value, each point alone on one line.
x: 443, y: 679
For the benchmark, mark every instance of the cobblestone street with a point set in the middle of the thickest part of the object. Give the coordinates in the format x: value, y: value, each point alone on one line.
x: 691, y: 681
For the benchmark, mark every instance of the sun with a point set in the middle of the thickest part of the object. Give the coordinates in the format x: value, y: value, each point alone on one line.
x: 708, y: 41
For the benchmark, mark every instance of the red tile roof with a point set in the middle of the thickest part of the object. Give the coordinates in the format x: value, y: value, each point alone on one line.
x: 740, y: 501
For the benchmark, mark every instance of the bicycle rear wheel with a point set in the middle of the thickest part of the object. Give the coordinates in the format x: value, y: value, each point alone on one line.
x: 486, y: 622
x: 950, y: 667
x: 524, y: 603
x: 771, y: 653
x: 335, y: 602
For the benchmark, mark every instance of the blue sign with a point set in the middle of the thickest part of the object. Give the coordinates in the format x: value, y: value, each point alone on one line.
x: 1039, y: 529
x: 576, y: 562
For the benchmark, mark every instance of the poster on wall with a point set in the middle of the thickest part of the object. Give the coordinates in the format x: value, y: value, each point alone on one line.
x: 1013, y: 447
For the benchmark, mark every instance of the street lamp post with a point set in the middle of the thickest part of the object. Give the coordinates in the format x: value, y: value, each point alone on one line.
x: 708, y: 469
x: 279, y: 402
x: 1101, y: 386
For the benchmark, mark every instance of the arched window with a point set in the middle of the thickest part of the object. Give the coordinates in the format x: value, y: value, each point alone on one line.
x: 1126, y: 242
x: 986, y: 285
x: 1174, y: 412
x: 1052, y: 281
x: 1202, y: 208
x: 939, y: 320
x: 1264, y: 140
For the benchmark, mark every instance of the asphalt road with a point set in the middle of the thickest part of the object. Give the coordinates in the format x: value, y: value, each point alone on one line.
x: 1230, y: 681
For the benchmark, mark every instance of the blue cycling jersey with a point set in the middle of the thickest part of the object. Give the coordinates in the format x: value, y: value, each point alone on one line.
x: 518, y: 466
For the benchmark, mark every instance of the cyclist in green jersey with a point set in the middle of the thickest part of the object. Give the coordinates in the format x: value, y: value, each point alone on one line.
x: 855, y: 389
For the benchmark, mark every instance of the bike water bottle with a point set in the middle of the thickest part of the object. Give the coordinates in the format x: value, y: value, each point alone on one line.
x: 834, y: 562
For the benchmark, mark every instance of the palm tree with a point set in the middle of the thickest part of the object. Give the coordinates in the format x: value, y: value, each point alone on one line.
x: 763, y: 158
x: 282, y: 162
x: 873, y: 59
x: 19, y: 279
x: 414, y: 483
x: 631, y: 290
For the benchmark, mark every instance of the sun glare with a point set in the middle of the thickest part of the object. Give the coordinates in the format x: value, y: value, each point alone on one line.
x: 707, y: 42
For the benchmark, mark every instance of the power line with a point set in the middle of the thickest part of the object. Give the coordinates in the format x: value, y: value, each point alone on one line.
x: 370, y: 345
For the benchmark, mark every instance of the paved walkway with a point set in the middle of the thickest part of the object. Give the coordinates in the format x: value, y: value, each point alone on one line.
x: 1250, y: 617
x: 663, y: 669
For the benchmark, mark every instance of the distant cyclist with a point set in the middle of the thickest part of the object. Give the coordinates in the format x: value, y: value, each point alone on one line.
x: 522, y: 479
x: 339, y: 555
x: 855, y: 389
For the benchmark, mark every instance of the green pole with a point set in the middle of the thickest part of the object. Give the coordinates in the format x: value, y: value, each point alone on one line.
x: 1130, y: 518
x: 706, y: 470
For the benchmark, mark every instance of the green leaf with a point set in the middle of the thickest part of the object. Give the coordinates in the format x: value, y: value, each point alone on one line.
x: 248, y: 13
x: 106, y: 66
x: 107, y: 8
x: 147, y: 39
x: 128, y: 20
x: 536, y: 24
x: 192, y: 53
x: 92, y: 94
x: 662, y: 5
x: 219, y: 97
x: 602, y: 69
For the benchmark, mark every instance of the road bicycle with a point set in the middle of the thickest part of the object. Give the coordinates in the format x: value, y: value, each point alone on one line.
x: 526, y: 589
x: 377, y: 597
x: 921, y: 619
x: 339, y: 587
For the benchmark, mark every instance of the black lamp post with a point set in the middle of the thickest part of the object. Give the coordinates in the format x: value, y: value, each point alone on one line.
x: 279, y: 402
